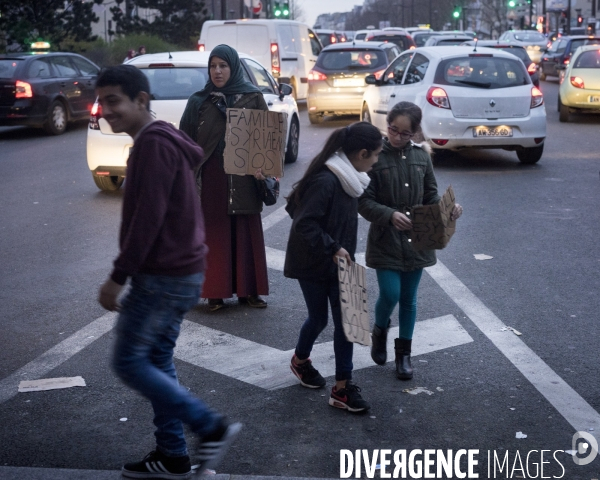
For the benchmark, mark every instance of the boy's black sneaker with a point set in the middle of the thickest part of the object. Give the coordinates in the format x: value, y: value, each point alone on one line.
x: 214, y: 445
x: 348, y: 398
x: 159, y: 466
x: 308, y: 375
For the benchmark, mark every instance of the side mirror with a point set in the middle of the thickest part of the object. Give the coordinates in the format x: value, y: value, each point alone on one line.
x: 284, y: 89
x: 371, y: 80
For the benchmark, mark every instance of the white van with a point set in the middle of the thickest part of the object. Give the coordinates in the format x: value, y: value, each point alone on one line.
x: 286, y: 48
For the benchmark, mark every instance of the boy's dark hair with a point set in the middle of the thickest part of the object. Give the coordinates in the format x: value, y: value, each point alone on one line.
x: 131, y: 80
x: 409, y: 110
x: 355, y: 137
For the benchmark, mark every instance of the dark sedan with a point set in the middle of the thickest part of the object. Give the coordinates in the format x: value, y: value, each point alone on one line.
x: 46, y: 89
x: 517, y: 51
x: 561, y: 51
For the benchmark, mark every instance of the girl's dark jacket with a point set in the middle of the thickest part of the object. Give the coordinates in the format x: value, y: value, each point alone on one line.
x: 325, y: 220
x: 396, y: 185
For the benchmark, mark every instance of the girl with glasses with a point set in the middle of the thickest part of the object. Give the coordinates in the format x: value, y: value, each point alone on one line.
x: 402, y: 178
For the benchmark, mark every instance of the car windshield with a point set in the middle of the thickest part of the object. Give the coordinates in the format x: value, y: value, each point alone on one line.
x: 530, y: 37
x: 399, y: 40
x: 589, y: 59
x: 422, y: 38
x: 175, y: 83
x: 482, y: 72
x: 8, y: 67
x: 352, y: 60
x: 517, y: 52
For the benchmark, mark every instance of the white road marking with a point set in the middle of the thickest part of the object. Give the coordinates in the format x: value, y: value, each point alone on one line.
x: 268, y: 367
x: 563, y: 398
x: 274, y: 217
x: 57, y: 355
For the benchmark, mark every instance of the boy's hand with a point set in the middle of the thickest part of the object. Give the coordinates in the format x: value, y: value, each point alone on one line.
x: 109, y: 292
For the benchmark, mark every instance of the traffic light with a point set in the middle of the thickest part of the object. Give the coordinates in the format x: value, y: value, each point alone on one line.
x: 512, y: 4
x: 579, y: 17
x: 277, y: 10
x: 456, y: 12
x: 285, y: 13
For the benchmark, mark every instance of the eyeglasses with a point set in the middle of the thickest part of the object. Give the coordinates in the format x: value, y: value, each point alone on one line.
x: 398, y: 133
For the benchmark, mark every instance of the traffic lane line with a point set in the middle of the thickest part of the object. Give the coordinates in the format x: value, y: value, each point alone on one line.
x: 557, y: 392
x: 268, y: 367
x: 57, y: 355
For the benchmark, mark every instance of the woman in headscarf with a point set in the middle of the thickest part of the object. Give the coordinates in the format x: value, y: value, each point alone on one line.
x: 236, y: 261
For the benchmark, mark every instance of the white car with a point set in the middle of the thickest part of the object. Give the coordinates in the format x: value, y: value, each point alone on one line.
x: 173, y: 78
x: 471, y: 97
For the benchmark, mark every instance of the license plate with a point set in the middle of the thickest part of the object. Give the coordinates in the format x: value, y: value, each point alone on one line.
x: 493, y: 131
x: 594, y: 99
x: 348, y: 82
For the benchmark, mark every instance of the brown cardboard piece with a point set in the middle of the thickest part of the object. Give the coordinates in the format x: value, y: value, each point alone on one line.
x: 255, y: 139
x: 432, y: 228
x: 353, y: 299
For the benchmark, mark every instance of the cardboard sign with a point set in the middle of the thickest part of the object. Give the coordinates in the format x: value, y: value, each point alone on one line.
x: 353, y: 299
x: 431, y: 224
x: 255, y: 139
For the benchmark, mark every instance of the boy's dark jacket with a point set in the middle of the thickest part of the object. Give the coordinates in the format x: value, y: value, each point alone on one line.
x: 325, y: 220
x: 162, y: 228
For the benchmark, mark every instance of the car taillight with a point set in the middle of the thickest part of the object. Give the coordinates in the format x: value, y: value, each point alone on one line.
x: 438, y: 97
x: 577, y: 82
x: 23, y: 90
x: 440, y: 141
x: 332, y: 39
x: 379, y: 74
x: 201, y: 47
x: 537, y: 98
x: 315, y: 76
x: 566, y: 61
x: 275, y: 65
x: 532, y: 68
x: 95, y: 115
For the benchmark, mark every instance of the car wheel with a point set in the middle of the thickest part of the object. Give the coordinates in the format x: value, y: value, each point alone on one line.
x: 315, y: 118
x: 108, y: 183
x: 530, y: 155
x: 56, y: 122
x: 563, y: 111
x: 365, y: 116
x: 293, y: 143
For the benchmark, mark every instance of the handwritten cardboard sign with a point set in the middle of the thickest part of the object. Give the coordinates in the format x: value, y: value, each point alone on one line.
x: 431, y: 224
x: 353, y: 299
x: 255, y: 139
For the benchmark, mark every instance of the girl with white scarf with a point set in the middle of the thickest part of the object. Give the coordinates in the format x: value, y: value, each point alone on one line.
x: 324, y: 209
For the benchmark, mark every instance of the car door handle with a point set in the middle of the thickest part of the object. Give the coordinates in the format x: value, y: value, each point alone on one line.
x: 63, y: 84
x: 393, y: 95
x: 270, y: 104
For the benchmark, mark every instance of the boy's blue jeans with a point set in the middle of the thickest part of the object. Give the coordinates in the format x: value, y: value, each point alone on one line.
x: 147, y: 330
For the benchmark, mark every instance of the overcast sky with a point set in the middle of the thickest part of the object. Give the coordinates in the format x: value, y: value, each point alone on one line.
x: 313, y: 8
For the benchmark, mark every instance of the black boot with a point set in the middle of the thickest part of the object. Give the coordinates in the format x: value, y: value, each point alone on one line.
x: 404, y: 370
x: 379, y: 344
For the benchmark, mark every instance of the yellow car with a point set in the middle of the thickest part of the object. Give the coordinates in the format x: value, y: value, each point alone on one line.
x: 580, y: 83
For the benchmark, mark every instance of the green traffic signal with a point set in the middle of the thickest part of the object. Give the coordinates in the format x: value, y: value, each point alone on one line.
x: 277, y: 10
x: 456, y: 14
x: 512, y: 3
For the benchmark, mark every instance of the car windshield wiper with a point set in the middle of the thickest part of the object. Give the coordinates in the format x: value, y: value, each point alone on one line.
x: 475, y: 84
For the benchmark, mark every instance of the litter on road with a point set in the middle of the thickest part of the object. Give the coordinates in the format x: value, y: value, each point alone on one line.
x: 50, y: 384
x: 520, y: 435
x: 482, y: 256
x: 417, y: 390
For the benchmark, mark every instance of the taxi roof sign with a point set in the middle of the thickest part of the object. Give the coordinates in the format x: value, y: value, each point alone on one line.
x: 40, y: 46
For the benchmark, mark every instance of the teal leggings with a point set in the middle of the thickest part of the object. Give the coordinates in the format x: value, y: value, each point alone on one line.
x: 396, y: 286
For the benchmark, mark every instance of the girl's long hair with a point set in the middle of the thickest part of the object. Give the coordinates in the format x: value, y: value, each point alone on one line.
x: 350, y: 139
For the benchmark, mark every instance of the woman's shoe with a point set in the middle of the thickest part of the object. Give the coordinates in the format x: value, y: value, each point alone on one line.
x: 379, y: 345
x: 255, y: 301
x: 215, y: 304
x: 404, y: 370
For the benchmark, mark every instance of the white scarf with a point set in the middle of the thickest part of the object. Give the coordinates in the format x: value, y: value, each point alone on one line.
x: 353, y: 182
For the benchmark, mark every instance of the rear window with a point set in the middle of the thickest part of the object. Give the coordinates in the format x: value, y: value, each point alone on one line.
x: 482, y: 72
x: 529, y: 37
x: 399, y: 40
x: 517, y: 52
x: 8, y: 67
x: 451, y: 41
x: 422, y: 38
x: 360, y: 36
x: 175, y: 83
x: 352, y: 59
x: 588, y: 60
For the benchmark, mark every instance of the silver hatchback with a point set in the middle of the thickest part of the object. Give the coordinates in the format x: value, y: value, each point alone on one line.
x: 337, y: 82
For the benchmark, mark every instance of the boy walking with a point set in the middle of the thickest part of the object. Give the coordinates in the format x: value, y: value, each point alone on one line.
x: 162, y: 249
